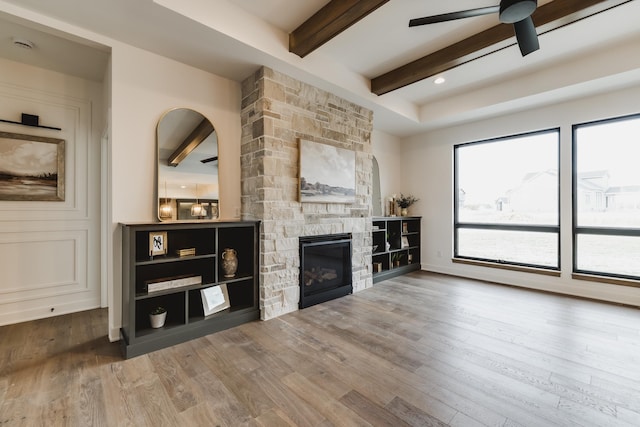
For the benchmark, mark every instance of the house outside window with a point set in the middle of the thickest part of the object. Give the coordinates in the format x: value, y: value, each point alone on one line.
x: 507, y: 200
x: 606, y: 203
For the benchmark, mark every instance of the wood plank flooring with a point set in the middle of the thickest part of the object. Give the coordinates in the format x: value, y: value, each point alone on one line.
x: 418, y: 350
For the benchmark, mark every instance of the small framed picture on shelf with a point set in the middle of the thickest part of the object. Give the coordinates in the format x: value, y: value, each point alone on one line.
x: 158, y: 243
x: 405, y: 242
x: 215, y: 299
x: 405, y: 227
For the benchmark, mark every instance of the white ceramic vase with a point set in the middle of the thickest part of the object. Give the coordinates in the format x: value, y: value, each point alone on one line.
x: 157, y: 320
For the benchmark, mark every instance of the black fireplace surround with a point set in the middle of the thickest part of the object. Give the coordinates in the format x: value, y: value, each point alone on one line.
x: 325, y: 268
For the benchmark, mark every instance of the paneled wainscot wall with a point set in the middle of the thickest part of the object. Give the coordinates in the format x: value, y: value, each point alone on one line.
x: 277, y: 111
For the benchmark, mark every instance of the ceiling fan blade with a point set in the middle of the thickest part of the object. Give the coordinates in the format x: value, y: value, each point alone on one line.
x: 453, y: 16
x: 526, y: 36
x: 210, y: 159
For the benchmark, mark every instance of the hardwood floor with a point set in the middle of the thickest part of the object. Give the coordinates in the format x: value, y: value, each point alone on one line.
x: 419, y: 350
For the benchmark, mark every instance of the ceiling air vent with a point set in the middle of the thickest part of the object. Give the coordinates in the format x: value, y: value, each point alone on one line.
x: 23, y: 43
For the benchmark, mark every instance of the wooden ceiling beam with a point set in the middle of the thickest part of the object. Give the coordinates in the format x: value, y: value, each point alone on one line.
x: 335, y: 17
x: 552, y: 14
x: 191, y: 142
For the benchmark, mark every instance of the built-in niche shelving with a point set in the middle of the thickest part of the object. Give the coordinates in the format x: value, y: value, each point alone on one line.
x: 396, y: 246
x: 199, y: 267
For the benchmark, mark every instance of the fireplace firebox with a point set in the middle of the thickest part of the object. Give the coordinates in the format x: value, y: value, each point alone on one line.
x: 325, y: 268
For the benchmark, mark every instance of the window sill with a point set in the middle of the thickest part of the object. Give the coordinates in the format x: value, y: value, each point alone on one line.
x: 605, y: 279
x: 532, y: 270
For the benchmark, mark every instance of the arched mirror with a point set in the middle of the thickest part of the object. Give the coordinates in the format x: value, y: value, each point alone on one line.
x: 188, y: 161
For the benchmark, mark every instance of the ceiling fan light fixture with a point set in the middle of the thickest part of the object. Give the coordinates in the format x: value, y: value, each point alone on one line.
x: 512, y: 11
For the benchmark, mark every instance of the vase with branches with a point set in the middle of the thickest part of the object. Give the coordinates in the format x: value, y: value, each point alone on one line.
x: 404, y: 202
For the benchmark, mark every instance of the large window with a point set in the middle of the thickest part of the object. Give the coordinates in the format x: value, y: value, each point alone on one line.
x: 606, y: 197
x: 507, y: 200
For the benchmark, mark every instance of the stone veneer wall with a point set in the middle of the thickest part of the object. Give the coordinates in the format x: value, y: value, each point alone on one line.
x: 277, y: 110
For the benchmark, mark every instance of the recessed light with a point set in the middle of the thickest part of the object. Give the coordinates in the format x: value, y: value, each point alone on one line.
x: 23, y: 43
x: 439, y: 80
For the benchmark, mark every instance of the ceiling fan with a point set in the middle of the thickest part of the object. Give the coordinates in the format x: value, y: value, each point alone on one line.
x: 516, y: 12
x: 209, y: 160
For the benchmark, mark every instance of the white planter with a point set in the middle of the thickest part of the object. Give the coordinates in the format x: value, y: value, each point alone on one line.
x: 157, y: 320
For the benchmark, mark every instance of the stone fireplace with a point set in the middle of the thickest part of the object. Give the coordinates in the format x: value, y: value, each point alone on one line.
x: 277, y: 111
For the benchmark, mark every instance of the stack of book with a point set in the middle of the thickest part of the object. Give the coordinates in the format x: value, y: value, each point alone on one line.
x: 186, y: 252
x: 172, y: 282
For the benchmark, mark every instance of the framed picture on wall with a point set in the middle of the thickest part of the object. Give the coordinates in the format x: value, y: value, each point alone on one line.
x: 327, y: 173
x: 31, y: 167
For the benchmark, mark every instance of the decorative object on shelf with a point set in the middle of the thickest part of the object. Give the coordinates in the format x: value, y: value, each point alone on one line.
x: 377, y: 267
x: 157, y: 317
x: 409, y: 258
x: 158, y: 243
x: 392, y: 240
x: 172, y: 282
x: 186, y: 252
x: 387, y: 245
x: 405, y: 227
x: 229, y: 262
x: 32, y: 167
x: 396, y: 258
x: 405, y: 242
x: 215, y: 299
x: 404, y: 202
x: 374, y: 248
x: 327, y: 173
x: 391, y: 206
x: 29, y: 120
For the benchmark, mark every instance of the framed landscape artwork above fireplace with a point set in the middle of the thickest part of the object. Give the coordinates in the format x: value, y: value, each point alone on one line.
x: 327, y: 173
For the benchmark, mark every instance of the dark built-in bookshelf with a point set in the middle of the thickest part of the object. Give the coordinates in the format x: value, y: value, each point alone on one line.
x: 201, y: 269
x: 403, y: 235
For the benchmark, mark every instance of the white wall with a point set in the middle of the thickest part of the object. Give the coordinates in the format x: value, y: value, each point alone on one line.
x: 144, y: 86
x: 428, y: 172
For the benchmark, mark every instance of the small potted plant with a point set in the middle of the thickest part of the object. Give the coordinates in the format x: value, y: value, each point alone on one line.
x: 395, y: 259
x: 404, y: 202
x: 157, y: 316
